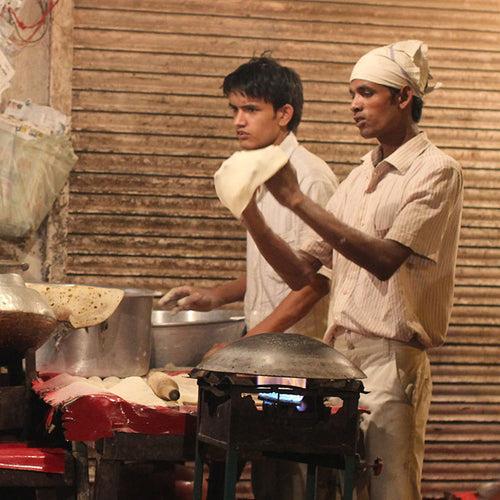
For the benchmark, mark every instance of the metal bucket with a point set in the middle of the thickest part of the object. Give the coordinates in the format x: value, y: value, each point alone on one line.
x: 182, y: 339
x: 123, y: 348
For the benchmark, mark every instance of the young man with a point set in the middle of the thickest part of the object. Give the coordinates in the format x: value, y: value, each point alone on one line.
x: 390, y: 236
x: 266, y: 101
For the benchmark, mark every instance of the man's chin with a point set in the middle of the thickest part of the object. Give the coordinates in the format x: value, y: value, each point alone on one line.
x: 248, y: 145
x: 366, y: 133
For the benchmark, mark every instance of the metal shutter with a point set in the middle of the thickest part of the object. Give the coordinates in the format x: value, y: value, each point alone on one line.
x: 151, y: 127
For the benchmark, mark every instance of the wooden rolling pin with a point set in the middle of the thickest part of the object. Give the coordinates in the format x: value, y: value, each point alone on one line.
x: 163, y: 386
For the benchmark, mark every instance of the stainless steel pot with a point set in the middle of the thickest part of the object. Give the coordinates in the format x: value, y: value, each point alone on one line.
x: 182, y: 339
x: 26, y: 319
x: 120, y: 347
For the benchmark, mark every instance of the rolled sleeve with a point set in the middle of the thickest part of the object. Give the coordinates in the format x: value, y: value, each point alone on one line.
x: 320, y: 250
x: 422, y: 220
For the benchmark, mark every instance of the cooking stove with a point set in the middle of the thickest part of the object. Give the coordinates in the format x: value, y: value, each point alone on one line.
x: 240, y: 418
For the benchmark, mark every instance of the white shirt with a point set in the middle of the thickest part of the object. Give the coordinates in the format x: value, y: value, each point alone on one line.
x: 418, y: 203
x: 265, y: 289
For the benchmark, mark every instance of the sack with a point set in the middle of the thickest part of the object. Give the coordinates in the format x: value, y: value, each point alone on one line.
x: 33, y: 170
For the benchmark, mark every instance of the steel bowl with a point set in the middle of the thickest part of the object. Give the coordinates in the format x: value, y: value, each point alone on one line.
x: 183, y: 338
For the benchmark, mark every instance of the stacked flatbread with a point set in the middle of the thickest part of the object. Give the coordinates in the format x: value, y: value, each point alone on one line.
x: 80, y: 305
x: 243, y: 172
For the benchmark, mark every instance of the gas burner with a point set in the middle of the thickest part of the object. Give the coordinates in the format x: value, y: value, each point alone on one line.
x: 246, y: 420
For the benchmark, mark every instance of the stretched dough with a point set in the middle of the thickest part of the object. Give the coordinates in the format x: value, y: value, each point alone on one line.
x: 243, y: 172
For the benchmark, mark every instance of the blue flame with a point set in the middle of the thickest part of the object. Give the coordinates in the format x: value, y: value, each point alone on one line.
x: 277, y: 397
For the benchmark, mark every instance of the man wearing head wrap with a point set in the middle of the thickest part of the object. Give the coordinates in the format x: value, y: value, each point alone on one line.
x: 390, y: 236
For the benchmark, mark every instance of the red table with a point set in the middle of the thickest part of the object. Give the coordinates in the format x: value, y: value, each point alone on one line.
x: 121, y: 431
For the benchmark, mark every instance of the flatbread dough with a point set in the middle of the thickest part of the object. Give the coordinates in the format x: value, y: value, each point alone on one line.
x: 136, y: 390
x: 243, y: 172
x: 111, y: 381
x: 81, y: 305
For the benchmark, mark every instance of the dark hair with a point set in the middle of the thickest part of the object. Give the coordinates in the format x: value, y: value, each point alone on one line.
x: 417, y: 104
x: 265, y: 78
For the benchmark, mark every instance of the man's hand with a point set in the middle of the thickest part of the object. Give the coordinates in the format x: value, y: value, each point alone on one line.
x: 284, y: 186
x: 184, y: 298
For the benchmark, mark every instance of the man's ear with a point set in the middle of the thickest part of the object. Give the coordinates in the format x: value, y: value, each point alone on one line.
x: 405, y: 97
x: 285, y: 114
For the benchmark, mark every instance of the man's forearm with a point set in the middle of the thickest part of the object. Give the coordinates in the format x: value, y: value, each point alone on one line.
x: 292, y: 268
x: 378, y: 256
x: 295, y: 306
x: 231, y: 291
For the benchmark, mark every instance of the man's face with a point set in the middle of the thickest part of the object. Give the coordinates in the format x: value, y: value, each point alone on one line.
x: 257, y: 124
x: 375, y: 110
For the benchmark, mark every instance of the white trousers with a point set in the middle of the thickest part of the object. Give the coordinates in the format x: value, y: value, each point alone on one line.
x: 399, y: 381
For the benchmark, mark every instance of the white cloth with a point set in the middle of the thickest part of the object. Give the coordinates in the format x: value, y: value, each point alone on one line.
x: 265, y: 289
x: 399, y: 385
x: 418, y: 203
x: 395, y: 65
x: 243, y: 172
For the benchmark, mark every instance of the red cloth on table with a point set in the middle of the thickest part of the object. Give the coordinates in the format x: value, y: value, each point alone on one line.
x: 98, y: 414
x: 93, y: 417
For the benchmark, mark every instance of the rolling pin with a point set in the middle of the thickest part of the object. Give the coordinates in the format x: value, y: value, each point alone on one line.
x: 163, y: 386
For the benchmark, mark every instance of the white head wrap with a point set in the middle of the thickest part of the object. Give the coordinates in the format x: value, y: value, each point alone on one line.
x: 396, y: 65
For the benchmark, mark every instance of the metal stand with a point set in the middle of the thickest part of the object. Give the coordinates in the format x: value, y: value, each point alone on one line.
x: 231, y: 478
x: 198, y: 474
x: 311, y: 483
x: 231, y: 429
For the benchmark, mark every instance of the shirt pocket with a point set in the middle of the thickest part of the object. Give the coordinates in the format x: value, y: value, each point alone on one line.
x: 384, y: 218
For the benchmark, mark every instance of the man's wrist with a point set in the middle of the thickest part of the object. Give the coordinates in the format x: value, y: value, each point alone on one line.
x: 296, y: 201
x: 215, y: 299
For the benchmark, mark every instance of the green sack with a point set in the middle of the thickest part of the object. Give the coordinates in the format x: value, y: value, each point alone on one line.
x: 32, y: 174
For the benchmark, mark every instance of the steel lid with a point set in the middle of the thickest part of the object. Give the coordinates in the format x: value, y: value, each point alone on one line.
x: 282, y: 355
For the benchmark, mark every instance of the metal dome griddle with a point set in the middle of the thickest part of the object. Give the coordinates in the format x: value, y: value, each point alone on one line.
x: 282, y: 355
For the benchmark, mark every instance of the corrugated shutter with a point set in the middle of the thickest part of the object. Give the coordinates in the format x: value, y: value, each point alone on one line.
x: 151, y: 127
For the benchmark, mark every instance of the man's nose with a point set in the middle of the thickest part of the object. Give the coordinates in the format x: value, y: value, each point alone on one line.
x: 239, y: 118
x: 356, y: 104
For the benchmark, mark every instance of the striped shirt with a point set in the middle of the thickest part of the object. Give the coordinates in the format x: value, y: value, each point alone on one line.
x: 418, y: 202
x: 265, y: 289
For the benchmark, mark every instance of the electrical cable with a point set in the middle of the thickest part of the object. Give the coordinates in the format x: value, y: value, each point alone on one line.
x: 46, y: 8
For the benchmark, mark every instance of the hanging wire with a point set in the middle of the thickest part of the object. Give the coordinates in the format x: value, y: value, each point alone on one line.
x: 42, y: 23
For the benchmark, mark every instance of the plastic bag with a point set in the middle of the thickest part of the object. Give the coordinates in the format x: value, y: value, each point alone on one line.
x: 33, y: 170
